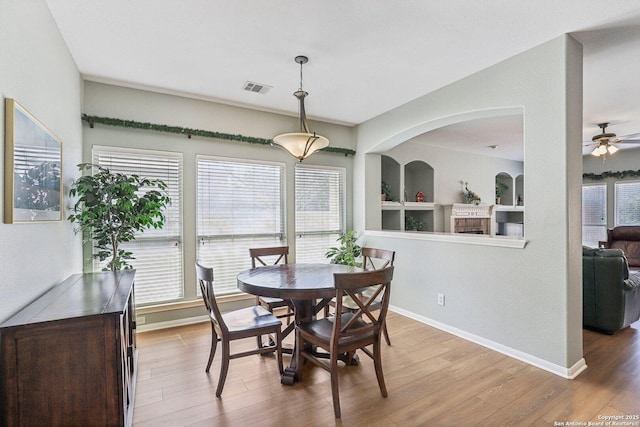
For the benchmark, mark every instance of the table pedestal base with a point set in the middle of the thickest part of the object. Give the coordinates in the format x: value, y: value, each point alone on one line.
x: 305, y: 311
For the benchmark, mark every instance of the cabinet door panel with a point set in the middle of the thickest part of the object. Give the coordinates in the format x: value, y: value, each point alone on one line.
x: 57, y: 368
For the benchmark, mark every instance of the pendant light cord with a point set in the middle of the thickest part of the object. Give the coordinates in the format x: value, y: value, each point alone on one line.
x: 301, y: 74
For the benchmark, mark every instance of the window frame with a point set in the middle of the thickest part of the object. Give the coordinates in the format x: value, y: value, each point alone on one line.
x: 615, y: 200
x: 605, y: 210
x: 201, y: 239
x: 342, y: 207
x: 177, y: 239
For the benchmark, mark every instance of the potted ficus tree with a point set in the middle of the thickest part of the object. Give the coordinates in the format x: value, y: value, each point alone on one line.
x: 112, y: 207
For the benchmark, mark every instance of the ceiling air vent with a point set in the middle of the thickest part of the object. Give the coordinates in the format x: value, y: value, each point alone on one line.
x: 256, y: 87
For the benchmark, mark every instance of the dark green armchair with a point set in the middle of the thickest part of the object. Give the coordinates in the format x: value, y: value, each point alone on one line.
x: 611, y: 293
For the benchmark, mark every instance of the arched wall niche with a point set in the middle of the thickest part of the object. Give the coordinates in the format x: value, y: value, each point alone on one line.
x: 519, y: 193
x: 418, y: 177
x: 504, y: 189
x: 390, y: 178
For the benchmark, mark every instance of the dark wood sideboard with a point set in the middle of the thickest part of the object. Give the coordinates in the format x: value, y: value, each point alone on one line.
x: 69, y: 357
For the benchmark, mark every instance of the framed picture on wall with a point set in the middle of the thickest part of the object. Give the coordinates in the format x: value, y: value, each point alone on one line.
x: 33, y: 168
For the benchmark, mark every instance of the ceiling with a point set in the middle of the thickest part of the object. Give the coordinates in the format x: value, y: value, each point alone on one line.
x: 500, y: 137
x: 366, y: 57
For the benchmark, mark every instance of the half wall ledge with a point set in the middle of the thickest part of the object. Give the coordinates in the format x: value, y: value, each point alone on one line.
x: 460, y: 238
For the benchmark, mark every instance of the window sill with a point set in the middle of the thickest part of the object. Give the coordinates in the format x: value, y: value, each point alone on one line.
x: 188, y: 304
x: 466, y: 239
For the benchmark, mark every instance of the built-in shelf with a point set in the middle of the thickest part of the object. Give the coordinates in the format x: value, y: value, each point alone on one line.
x: 391, y: 206
x: 508, y: 215
x: 465, y: 239
x: 418, y: 177
x: 418, y: 206
x: 508, y: 220
x: 508, y: 208
x: 405, y: 182
x: 414, y: 206
x: 391, y: 219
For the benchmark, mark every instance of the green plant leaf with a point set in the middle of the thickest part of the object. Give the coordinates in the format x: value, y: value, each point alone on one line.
x: 348, y: 252
x: 111, y: 207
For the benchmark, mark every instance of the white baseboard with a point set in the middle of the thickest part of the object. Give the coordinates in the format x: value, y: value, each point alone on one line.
x: 171, y: 323
x: 569, y: 373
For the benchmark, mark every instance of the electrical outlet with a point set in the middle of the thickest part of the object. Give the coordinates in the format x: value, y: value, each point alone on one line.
x: 141, y: 320
x: 440, y: 299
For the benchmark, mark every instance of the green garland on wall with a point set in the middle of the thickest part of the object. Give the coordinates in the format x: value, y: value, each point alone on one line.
x: 92, y: 120
x: 610, y: 174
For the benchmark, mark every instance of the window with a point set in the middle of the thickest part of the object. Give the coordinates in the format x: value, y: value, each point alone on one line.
x: 320, y: 211
x: 240, y: 205
x: 158, y: 253
x: 627, y: 203
x: 594, y: 214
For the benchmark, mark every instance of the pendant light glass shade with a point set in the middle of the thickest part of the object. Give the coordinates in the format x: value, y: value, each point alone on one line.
x: 301, y: 145
x: 304, y: 143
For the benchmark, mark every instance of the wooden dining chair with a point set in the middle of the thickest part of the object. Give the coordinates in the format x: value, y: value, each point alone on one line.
x: 372, y: 259
x: 247, y: 322
x: 350, y: 331
x: 271, y: 256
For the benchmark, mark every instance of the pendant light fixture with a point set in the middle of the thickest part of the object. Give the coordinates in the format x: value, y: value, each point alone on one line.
x: 304, y: 143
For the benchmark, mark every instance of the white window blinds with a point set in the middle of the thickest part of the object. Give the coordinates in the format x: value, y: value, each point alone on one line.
x: 627, y: 203
x: 594, y: 214
x: 240, y: 205
x: 320, y: 211
x: 158, y: 252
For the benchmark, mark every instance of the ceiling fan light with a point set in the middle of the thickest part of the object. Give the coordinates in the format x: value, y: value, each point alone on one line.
x: 596, y: 151
x: 612, y: 149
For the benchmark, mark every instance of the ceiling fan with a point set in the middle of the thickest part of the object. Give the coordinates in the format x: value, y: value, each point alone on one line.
x: 606, y: 143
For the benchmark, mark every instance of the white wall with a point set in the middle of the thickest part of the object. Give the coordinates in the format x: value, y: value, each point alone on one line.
x: 623, y: 160
x: 38, y: 71
x: 132, y: 104
x: 527, y: 301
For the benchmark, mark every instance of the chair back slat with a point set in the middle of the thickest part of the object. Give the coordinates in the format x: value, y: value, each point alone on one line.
x: 363, y: 321
x: 259, y: 255
x: 364, y: 301
x: 372, y: 256
x: 205, y: 279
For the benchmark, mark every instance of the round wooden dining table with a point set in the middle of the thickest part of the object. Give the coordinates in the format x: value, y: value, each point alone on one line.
x: 309, y: 287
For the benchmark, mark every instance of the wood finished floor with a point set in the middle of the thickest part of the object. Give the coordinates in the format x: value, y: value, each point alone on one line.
x: 433, y: 379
